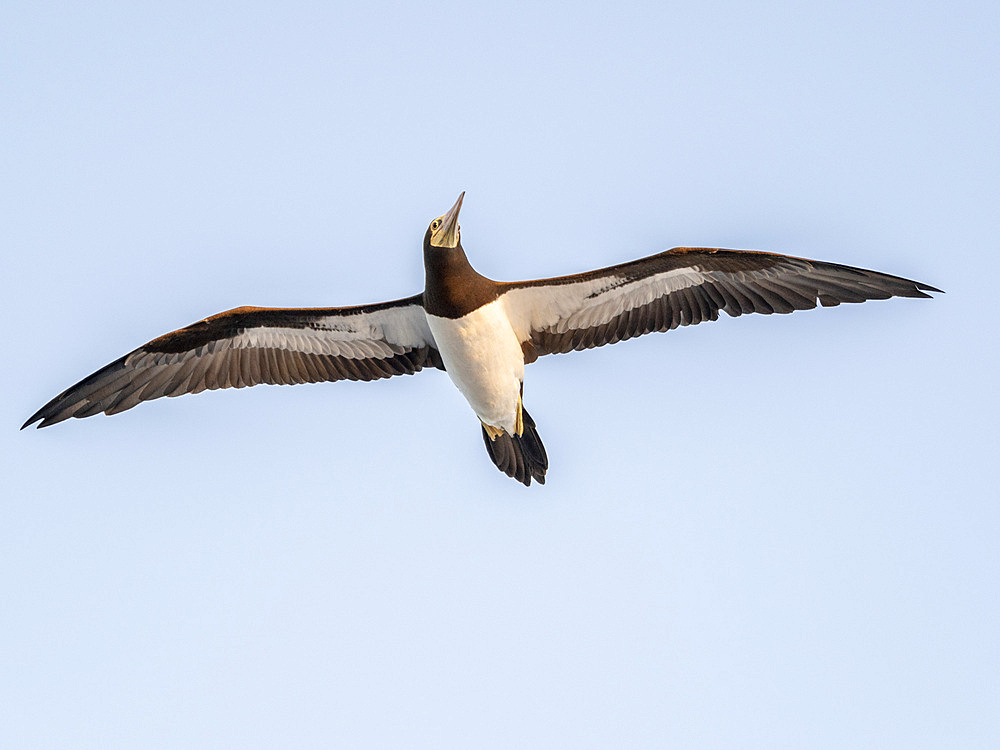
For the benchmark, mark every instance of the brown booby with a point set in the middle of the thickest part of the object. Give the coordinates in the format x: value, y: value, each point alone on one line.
x: 482, y: 332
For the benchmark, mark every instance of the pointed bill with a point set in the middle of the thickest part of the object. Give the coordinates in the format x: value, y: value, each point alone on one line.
x: 447, y: 232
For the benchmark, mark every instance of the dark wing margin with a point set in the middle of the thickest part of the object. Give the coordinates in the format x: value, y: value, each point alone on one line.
x: 253, y: 345
x: 681, y: 287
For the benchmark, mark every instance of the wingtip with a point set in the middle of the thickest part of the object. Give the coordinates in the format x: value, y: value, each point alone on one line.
x: 44, y: 418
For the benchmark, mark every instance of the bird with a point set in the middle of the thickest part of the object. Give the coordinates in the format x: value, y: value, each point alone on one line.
x: 481, y: 332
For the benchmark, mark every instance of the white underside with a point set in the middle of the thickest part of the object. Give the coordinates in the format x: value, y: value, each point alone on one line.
x: 484, y: 360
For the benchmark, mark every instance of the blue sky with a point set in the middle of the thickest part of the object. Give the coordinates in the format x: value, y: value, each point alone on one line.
x: 763, y: 532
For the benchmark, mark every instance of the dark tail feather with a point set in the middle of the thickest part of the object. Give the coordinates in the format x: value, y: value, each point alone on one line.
x: 520, y: 457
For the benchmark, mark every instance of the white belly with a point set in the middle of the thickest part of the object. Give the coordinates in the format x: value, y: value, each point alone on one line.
x: 484, y: 360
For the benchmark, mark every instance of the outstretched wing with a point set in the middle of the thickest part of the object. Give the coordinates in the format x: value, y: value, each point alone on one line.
x: 252, y: 345
x: 681, y: 287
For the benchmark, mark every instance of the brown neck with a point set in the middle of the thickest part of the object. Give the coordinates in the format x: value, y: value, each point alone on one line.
x: 452, y: 287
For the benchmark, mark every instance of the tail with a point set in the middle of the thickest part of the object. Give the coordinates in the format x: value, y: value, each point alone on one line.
x: 520, y: 457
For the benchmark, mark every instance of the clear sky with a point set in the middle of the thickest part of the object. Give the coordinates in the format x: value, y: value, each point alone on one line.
x: 774, y: 532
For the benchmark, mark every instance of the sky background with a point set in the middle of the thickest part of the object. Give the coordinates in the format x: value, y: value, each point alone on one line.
x: 774, y: 532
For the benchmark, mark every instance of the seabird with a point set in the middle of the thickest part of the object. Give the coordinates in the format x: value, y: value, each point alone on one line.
x: 481, y: 332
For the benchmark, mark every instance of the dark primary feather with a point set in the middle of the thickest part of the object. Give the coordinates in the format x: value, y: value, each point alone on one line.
x: 613, y: 304
x: 304, y: 348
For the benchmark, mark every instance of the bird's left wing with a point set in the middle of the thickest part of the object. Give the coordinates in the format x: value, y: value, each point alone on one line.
x: 252, y: 345
x: 680, y: 287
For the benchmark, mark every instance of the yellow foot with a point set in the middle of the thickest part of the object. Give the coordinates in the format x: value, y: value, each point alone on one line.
x: 493, y: 432
x: 519, y: 419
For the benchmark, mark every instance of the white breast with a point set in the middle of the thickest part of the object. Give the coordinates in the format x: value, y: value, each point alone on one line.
x: 483, y: 357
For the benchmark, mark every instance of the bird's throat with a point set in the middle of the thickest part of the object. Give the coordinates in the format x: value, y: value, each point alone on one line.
x: 452, y: 287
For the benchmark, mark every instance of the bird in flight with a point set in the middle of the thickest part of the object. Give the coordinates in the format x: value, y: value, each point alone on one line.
x: 481, y: 332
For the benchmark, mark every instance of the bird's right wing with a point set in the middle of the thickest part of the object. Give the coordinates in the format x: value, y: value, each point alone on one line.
x: 252, y: 345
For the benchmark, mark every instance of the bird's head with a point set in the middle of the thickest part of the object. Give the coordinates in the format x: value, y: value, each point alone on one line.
x: 444, y: 231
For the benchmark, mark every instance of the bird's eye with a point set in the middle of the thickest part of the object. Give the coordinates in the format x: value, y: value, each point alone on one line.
x: 436, y: 223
